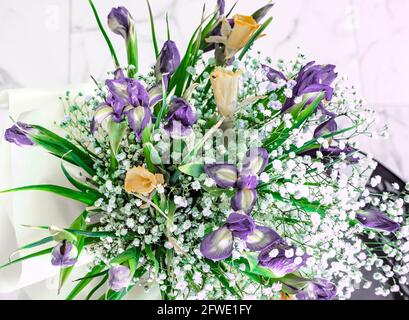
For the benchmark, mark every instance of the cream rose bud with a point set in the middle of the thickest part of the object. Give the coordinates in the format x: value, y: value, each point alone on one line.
x: 244, y: 28
x: 225, y: 85
x: 140, y: 180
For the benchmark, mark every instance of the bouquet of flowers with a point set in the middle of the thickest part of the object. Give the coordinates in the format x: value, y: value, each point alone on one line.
x: 219, y: 175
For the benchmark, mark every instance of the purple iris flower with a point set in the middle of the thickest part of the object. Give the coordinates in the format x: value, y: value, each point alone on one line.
x: 273, y: 75
x: 64, y: 254
x: 319, y: 289
x: 244, y: 200
x: 246, y: 182
x: 281, y: 258
x: 313, y: 78
x: 221, y: 5
x: 181, y: 117
x: 168, y: 61
x: 119, y: 278
x: 218, y: 245
x: 119, y: 21
x: 255, y: 161
x: 240, y: 225
x: 377, y: 220
x: 19, y: 134
x: 225, y: 175
x: 126, y: 98
x: 326, y: 127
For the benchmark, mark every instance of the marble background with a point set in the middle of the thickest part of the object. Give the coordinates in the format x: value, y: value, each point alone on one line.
x: 47, y: 43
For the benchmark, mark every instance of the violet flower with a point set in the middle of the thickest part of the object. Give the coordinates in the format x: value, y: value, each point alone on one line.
x: 126, y: 98
x: 246, y: 182
x: 168, y: 61
x: 19, y: 134
x: 326, y: 127
x: 281, y: 258
x: 313, y: 78
x: 181, y: 117
x: 273, y: 75
x: 119, y: 278
x: 120, y: 21
x: 221, y: 5
x: 377, y: 220
x: 319, y: 289
x: 225, y: 175
x: 64, y: 254
x: 255, y: 161
x: 218, y: 245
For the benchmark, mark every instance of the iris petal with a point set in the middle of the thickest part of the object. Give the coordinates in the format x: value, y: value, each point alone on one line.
x: 244, y: 200
x: 138, y: 119
x: 255, y: 161
x: 100, y: 115
x: 218, y: 245
x: 261, y: 238
x: 225, y: 175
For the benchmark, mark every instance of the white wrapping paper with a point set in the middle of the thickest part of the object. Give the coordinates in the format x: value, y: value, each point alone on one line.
x: 35, y: 278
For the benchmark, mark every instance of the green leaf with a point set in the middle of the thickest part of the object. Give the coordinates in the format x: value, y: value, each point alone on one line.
x: 90, y: 234
x: 152, y: 154
x: 217, y: 192
x: 132, y: 253
x: 113, y: 295
x: 95, y: 289
x: 30, y: 256
x: 153, y: 32
x: 132, y: 53
x: 84, y: 282
x: 87, y: 199
x: 277, y: 140
x: 194, y: 169
x: 101, y: 28
x: 96, y: 275
x: 33, y: 244
x: 78, y: 223
x: 252, y: 267
x: 254, y: 37
x: 163, y: 105
x: 79, y: 185
x: 62, y: 148
x: 215, y: 267
x: 116, y: 132
x: 151, y: 255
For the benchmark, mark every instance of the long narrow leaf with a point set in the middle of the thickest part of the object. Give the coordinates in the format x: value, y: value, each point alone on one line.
x: 101, y: 28
x: 80, y: 224
x: 30, y: 256
x: 87, y: 199
x: 153, y: 32
x: 83, y: 283
x: 34, y: 244
x: 80, y: 186
x: 95, y: 289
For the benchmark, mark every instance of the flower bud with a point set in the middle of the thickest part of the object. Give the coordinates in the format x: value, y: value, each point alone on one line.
x: 225, y: 85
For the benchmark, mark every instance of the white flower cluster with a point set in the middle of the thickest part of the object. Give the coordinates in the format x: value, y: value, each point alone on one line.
x: 310, y: 201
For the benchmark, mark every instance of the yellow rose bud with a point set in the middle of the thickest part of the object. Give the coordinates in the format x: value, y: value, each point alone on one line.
x: 140, y: 180
x: 244, y: 28
x: 225, y: 85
